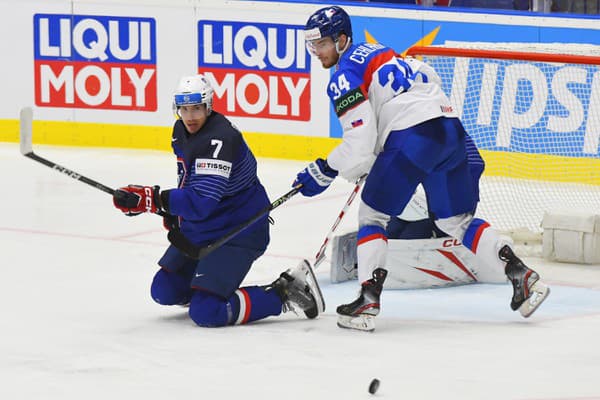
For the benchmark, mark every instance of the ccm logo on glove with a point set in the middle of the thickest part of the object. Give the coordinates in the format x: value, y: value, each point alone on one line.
x: 136, y: 199
x: 148, y: 197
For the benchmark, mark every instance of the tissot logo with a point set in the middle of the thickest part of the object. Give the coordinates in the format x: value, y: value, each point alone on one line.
x: 205, y: 166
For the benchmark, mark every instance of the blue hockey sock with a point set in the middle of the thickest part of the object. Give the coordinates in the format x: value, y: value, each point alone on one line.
x: 473, y: 234
x: 254, y: 303
x: 245, y: 305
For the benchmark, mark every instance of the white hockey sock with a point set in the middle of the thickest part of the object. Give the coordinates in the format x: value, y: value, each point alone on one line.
x: 485, y: 242
x: 371, y: 250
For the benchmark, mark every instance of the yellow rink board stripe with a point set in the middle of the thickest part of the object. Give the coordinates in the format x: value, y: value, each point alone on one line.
x: 90, y: 134
x: 159, y: 138
x: 542, y: 167
x: 514, y: 165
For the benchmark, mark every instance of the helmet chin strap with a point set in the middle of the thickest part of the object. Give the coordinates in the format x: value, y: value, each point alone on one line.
x: 337, y: 48
x: 341, y: 51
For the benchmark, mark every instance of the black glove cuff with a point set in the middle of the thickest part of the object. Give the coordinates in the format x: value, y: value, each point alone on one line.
x: 164, y: 200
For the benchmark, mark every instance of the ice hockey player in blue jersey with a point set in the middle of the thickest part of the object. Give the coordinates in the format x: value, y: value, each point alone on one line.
x: 217, y: 190
x: 400, y: 129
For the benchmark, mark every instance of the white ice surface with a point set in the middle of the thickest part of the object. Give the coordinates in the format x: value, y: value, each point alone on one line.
x: 77, y: 321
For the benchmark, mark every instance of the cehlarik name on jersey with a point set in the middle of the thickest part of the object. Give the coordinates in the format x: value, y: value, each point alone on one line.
x: 361, y: 53
x: 257, y: 70
x: 86, y: 61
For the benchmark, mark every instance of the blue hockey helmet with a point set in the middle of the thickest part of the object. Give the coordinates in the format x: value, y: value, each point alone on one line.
x: 328, y: 21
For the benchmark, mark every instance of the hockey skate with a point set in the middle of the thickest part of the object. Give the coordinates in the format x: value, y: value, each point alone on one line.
x: 528, y: 291
x: 300, y: 291
x: 361, y: 312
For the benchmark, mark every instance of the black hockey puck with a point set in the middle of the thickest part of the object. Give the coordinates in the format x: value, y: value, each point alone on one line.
x: 374, y: 386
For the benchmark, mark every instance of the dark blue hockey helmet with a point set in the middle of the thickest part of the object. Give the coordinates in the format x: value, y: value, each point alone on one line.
x: 328, y: 21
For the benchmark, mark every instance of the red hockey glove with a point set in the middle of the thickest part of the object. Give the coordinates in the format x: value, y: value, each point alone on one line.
x: 135, y: 199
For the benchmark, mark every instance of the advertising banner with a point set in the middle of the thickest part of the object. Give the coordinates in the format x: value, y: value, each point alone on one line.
x: 258, y: 70
x: 116, y: 66
x: 95, y: 62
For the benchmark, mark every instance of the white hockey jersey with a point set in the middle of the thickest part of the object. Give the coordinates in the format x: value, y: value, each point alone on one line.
x: 375, y: 91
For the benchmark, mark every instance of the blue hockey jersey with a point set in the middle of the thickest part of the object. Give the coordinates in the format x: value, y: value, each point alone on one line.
x: 218, y: 187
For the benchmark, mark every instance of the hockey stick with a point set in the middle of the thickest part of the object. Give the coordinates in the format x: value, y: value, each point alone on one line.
x: 175, y: 236
x: 198, y: 252
x: 321, y: 253
x: 26, y: 131
x: 25, y: 141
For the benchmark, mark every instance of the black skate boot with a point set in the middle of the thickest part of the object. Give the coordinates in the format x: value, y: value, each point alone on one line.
x: 359, y: 314
x: 298, y: 289
x: 528, y: 291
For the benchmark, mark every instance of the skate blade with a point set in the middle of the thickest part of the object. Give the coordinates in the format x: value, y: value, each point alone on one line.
x: 539, y: 292
x: 361, y: 322
x: 312, y: 280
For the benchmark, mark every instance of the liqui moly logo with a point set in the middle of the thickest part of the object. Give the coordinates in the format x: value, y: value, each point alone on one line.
x: 100, y: 62
x: 257, y: 70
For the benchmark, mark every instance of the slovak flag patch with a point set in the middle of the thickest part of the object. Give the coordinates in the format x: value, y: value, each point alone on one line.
x: 357, y: 123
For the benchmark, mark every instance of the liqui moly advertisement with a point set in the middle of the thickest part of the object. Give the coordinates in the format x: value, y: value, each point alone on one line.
x: 100, y: 62
x: 258, y: 70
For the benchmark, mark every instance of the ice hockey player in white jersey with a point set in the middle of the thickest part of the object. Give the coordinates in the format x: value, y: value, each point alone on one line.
x: 419, y: 254
x: 400, y: 129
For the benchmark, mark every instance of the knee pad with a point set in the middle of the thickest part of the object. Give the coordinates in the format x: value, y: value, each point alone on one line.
x: 209, y: 310
x: 170, y: 288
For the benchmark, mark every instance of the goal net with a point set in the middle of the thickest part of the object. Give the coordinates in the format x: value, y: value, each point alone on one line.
x: 535, y: 116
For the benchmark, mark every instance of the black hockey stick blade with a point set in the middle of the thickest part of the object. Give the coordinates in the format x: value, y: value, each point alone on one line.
x: 198, y: 252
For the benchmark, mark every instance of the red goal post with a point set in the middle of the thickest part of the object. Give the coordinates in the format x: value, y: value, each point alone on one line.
x: 416, y: 51
x: 535, y: 116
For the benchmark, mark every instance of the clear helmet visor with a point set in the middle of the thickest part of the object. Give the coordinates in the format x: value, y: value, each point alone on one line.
x: 188, y: 104
x: 191, y: 111
x: 317, y: 46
